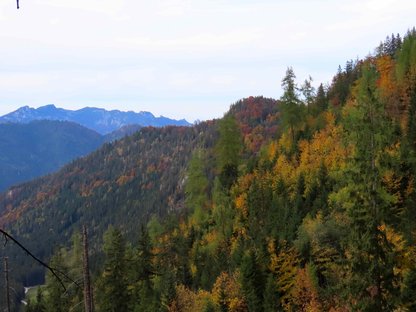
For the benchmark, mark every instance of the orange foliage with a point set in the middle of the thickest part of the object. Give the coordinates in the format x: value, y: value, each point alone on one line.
x: 305, y: 293
x: 387, y: 86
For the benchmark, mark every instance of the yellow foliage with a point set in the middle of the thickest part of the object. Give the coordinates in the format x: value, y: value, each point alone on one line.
x: 194, y: 269
x: 385, y: 68
x: 240, y: 193
x: 241, y: 204
x: 227, y: 292
x: 285, y: 142
x: 188, y: 301
x: 272, y: 150
x: 393, y: 184
x: 211, y: 240
x: 325, y: 148
x: 405, y: 256
x: 410, y: 186
x: 285, y: 170
x: 284, y: 264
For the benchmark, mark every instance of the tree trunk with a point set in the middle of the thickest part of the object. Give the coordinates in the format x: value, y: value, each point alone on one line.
x: 6, y: 275
x: 86, y: 269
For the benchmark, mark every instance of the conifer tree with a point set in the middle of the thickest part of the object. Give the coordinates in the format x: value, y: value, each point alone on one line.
x: 321, y: 101
x: 229, y: 148
x: 291, y: 107
x: 408, y: 292
x: 57, y: 299
x: 308, y: 92
x: 196, y: 187
x: 252, y: 282
x: 271, y: 296
x: 371, y: 278
x: 113, y: 294
x: 38, y: 305
x: 142, y: 273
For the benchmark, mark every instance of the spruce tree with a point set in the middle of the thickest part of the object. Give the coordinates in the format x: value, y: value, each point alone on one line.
x: 290, y: 105
x: 321, y: 101
x: 57, y: 299
x: 196, y: 188
x: 371, y: 279
x: 113, y: 293
x: 271, y: 295
x: 228, y: 148
x: 408, y: 292
x: 252, y: 282
x: 142, y: 273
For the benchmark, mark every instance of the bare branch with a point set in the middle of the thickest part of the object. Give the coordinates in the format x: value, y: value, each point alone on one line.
x: 54, y: 271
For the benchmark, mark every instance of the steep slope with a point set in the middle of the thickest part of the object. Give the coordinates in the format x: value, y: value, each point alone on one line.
x: 97, y: 119
x: 31, y: 150
x: 122, y: 184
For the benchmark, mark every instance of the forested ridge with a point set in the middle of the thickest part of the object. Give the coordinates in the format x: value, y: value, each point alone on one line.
x: 301, y: 204
x: 28, y: 151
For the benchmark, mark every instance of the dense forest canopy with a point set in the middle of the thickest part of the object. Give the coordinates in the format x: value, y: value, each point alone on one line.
x: 301, y: 204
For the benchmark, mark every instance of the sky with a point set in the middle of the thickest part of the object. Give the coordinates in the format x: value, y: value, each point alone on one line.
x: 180, y: 58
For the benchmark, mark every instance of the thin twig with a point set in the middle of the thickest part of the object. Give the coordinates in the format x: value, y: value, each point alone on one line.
x: 54, y: 271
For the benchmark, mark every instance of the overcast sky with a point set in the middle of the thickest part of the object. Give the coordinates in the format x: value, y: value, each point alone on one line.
x: 179, y: 58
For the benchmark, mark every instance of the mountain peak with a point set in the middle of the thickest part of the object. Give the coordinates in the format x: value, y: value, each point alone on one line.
x: 97, y: 119
x: 48, y: 106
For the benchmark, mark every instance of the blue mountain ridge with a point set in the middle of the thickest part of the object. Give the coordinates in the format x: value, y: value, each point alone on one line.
x: 97, y: 119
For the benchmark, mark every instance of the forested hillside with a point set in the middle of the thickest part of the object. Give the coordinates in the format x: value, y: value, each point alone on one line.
x: 302, y: 204
x: 122, y: 184
x: 30, y: 150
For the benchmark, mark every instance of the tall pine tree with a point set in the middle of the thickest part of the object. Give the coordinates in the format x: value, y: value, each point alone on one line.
x: 367, y: 203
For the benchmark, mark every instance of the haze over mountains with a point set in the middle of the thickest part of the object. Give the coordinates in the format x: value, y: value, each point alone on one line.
x: 30, y: 150
x: 35, y: 142
x: 97, y: 119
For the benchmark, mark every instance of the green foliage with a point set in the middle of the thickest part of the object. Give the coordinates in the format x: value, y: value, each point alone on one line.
x: 252, y: 282
x: 408, y: 292
x: 37, y: 305
x: 292, y: 108
x: 321, y: 102
x: 271, y: 296
x: 228, y: 150
x: 142, y: 273
x: 57, y: 299
x: 406, y: 60
x: 196, y: 188
x: 113, y: 293
x: 368, y: 207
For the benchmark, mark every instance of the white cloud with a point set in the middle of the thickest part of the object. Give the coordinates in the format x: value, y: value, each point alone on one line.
x: 177, y: 57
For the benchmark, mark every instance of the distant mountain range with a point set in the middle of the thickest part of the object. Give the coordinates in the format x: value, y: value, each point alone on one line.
x: 35, y: 142
x: 97, y: 119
